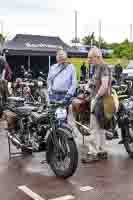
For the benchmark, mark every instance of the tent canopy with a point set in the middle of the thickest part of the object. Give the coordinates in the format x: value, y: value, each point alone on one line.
x: 36, y: 45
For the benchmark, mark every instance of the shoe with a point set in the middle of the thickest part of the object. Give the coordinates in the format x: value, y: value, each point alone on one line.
x: 90, y: 158
x: 103, y: 155
x: 121, y: 142
x: 115, y: 136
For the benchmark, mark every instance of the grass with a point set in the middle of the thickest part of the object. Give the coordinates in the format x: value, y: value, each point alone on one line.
x: 79, y: 61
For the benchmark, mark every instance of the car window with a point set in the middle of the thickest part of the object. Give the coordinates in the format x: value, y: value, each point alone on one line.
x: 130, y: 67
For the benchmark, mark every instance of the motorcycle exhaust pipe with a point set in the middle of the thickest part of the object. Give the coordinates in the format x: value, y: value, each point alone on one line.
x: 14, y: 140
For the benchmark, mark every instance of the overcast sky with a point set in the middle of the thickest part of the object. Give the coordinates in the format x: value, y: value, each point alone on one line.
x: 56, y: 17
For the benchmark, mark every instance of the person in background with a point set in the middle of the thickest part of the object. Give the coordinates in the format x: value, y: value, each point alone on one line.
x: 83, y: 72
x: 91, y: 70
x: 101, y: 88
x: 118, y: 71
x: 22, y: 71
x: 3, y: 83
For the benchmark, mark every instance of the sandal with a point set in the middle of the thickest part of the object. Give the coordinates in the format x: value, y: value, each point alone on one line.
x: 103, y: 155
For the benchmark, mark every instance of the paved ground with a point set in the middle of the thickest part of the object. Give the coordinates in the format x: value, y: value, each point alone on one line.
x: 107, y: 180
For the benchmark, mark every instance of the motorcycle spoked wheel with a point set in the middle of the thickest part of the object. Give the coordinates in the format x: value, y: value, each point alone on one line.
x: 128, y: 139
x: 62, y: 156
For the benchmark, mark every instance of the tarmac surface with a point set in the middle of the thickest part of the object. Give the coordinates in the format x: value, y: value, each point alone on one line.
x: 25, y: 178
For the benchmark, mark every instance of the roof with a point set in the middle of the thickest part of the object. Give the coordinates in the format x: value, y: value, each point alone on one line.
x: 37, y: 45
x: 33, y: 44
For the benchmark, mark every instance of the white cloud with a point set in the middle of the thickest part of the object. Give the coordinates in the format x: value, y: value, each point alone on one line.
x: 56, y: 17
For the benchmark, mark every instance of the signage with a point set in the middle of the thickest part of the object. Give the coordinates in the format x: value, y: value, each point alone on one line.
x: 41, y: 45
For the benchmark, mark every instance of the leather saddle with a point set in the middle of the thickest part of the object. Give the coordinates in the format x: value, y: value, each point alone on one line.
x: 81, y: 104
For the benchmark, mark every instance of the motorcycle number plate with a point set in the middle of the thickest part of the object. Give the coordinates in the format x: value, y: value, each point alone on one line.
x: 61, y: 113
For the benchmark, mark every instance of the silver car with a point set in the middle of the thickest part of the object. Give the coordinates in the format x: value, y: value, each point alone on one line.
x: 128, y: 72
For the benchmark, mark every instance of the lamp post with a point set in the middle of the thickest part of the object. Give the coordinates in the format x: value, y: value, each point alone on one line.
x: 99, y: 30
x: 130, y: 42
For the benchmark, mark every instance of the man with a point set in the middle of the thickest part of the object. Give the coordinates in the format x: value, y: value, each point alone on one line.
x: 91, y: 70
x: 118, y: 71
x: 3, y: 83
x: 22, y: 72
x: 61, y: 81
x: 3, y: 67
x: 83, y: 71
x: 101, y: 88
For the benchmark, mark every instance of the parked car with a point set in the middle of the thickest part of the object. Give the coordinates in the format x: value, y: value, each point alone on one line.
x: 128, y: 72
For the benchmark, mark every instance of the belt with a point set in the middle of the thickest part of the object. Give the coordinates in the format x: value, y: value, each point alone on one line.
x: 59, y: 92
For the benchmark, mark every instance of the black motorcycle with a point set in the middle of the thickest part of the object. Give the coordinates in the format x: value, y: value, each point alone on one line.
x: 38, y: 130
x: 126, y: 124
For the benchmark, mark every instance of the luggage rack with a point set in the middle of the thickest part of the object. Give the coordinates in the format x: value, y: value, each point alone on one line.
x: 88, y: 131
x: 10, y: 152
x: 20, y: 153
x: 3, y: 127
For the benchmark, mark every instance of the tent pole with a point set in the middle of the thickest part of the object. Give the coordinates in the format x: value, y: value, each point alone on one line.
x: 28, y: 63
x: 49, y: 61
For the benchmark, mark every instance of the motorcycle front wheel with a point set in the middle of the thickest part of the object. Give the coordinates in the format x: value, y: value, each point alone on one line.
x: 62, y: 154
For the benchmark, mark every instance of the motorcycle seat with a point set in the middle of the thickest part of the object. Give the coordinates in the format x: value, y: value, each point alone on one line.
x: 38, y: 116
x: 25, y: 110
x: 17, y: 99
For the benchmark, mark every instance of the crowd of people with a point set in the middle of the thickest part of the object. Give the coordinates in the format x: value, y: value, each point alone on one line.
x: 62, y: 84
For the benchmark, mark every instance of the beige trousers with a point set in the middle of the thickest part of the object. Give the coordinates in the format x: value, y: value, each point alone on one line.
x: 96, y: 142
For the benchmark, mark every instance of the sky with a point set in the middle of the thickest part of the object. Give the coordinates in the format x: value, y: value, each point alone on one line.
x: 56, y: 18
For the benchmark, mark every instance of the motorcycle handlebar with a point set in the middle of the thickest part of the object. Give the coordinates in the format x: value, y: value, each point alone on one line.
x: 57, y: 103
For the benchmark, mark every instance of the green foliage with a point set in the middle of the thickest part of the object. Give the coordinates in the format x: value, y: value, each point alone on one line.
x: 79, y: 61
x: 124, y: 50
x: 121, y: 50
x: 2, y: 38
x: 87, y: 41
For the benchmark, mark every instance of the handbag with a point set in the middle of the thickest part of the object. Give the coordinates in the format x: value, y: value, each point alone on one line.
x: 109, y: 107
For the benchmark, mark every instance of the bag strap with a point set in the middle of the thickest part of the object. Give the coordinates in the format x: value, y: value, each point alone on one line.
x: 53, y: 78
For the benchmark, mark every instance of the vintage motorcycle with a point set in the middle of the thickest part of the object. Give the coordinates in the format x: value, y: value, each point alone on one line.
x: 30, y: 89
x: 34, y: 129
x: 126, y: 124
x: 123, y: 119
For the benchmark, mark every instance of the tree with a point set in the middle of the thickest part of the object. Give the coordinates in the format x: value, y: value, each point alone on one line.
x: 124, y: 49
x: 2, y: 38
x: 87, y: 41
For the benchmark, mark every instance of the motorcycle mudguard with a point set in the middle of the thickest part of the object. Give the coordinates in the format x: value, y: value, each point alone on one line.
x: 68, y: 131
x: 80, y: 105
x: 68, y: 128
